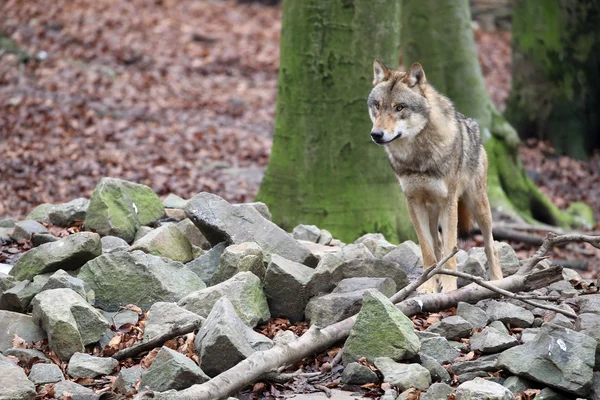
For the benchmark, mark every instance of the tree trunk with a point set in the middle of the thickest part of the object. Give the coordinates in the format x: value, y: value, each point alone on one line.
x: 556, y: 60
x: 438, y: 34
x: 324, y: 169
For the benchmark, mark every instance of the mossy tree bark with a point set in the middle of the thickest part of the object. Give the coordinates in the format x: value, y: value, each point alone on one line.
x: 556, y: 59
x: 324, y: 169
x: 438, y: 34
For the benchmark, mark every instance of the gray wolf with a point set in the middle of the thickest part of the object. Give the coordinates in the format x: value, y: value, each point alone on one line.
x: 437, y: 155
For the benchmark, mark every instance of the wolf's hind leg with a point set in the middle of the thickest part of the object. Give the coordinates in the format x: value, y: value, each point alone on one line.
x: 449, y: 221
x: 420, y: 219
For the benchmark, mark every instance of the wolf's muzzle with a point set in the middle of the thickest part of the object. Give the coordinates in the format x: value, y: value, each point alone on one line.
x: 377, y: 136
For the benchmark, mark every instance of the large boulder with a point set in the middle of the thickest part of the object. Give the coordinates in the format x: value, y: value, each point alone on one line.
x: 172, y: 370
x: 123, y: 277
x: 14, y: 384
x: 220, y: 221
x: 381, y: 330
x: 22, y: 325
x: 70, y: 322
x: 166, y: 241
x: 244, y: 291
x: 239, y: 258
x: 68, y: 254
x: 67, y: 213
x: 119, y: 208
x: 558, y: 357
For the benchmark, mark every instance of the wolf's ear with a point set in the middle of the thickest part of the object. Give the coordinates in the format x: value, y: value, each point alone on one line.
x: 380, y: 72
x: 415, y: 75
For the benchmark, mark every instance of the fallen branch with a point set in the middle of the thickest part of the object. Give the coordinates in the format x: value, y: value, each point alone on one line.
x: 177, y: 330
x: 516, y: 236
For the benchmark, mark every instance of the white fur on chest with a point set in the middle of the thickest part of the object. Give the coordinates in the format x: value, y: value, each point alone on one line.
x: 420, y: 185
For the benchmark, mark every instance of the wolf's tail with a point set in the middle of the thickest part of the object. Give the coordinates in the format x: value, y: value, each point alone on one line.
x: 464, y: 220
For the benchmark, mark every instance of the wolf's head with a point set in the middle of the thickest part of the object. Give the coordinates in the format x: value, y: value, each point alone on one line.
x: 397, y: 105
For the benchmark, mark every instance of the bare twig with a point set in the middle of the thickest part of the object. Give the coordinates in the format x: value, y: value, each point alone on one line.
x: 488, y: 285
x: 427, y: 274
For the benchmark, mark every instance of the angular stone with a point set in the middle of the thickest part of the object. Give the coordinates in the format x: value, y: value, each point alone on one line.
x: 437, y: 391
x: 122, y: 317
x: 6, y: 281
x: 126, y: 379
x: 119, y: 208
x: 380, y: 330
x: 506, y: 254
x: 259, y: 206
x: 220, y: 221
x: 472, y: 265
x: 205, y: 265
x: 77, y: 392
x: 309, y: 233
x: 113, y: 243
x: 403, y: 375
x: 22, y: 325
x: 358, y: 374
x: 325, y: 238
x: 83, y: 365
x: 19, y: 296
x: 40, y: 213
x: 589, y: 324
x: 489, y: 340
x: 484, y: 363
x: 141, y: 232
x: 61, y: 279
x: 174, y: 201
x: 67, y: 213
x: 475, y: 315
x: 558, y: 357
x: 8, y: 223
x: 589, y: 304
x: 14, y: 384
x: 224, y: 340
x: 42, y: 374
x: 328, y: 273
x: 286, y: 288
x: 25, y: 229
x: 69, y: 321
x: 452, y: 327
x: 481, y: 389
x: 39, y: 239
x: 191, y: 231
x: 122, y: 278
x: 375, y: 268
x: 239, y: 258
x: 166, y: 241
x: 356, y: 251
x: 334, y: 307
x: 437, y: 372
x: 508, y: 313
x: 172, y: 370
x: 439, y: 349
x: 5, y: 235
x: 68, y: 254
x: 27, y: 356
x: 376, y: 244
x: 164, y: 316
x: 527, y: 335
x: 561, y: 320
x: 243, y: 290
x: 385, y: 285
x: 408, y: 255
x: 499, y: 326
x: 517, y: 384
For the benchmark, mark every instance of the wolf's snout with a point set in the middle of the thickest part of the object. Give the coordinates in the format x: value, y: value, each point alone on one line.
x: 377, y: 136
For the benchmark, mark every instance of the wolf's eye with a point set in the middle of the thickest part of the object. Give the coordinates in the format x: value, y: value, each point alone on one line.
x: 399, y: 107
x: 376, y: 105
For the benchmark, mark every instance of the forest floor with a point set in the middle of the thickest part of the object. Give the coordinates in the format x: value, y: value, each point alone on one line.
x: 176, y: 94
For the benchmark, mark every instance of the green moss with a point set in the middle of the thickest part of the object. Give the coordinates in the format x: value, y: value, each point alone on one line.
x: 582, y: 213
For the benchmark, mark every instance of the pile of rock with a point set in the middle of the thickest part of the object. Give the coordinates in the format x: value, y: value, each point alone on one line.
x: 229, y: 268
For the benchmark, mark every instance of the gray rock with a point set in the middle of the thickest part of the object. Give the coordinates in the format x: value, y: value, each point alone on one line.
x: 389, y: 394
x: 18, y: 324
x: 328, y: 273
x: 376, y: 244
x: 403, y: 375
x: 439, y: 349
x: 41, y: 374
x: 307, y: 232
x: 39, y: 239
x: 380, y: 330
x: 437, y: 391
x: 244, y: 291
x: 206, y: 265
x: 164, y: 316
x: 83, y: 365
x: 356, y: 251
x: 14, y: 384
x: 68, y: 254
x: 61, y: 279
x: 460, y: 346
x: 558, y: 357
x: 27, y: 356
x: 122, y: 317
x: 8, y: 223
x: 549, y: 394
x: 436, y: 370
x: 174, y: 201
x: 70, y: 322
x: 475, y: 315
x: 172, y: 370
x: 481, y: 389
x: 595, y: 391
x: 517, y: 384
x: 385, y: 285
x: 452, y: 327
x: 489, y: 340
x: 499, y: 326
x: 77, y: 392
x: 408, y: 256
x: 5, y: 235
x: 141, y: 232
x: 506, y: 254
x: 19, y: 296
x: 258, y: 206
x: 473, y: 266
x: 67, y: 213
x: 6, y: 282
x: 527, y: 335
x: 220, y: 221
x: 589, y: 304
x: 325, y: 238
x: 589, y: 324
x: 284, y: 337
x: 516, y: 316
x: 121, y: 277
x: 113, y: 243
x: 239, y: 258
x: 561, y: 320
x: 25, y: 229
x: 286, y: 288
x: 224, y: 340
x: 40, y: 213
x: 358, y: 374
x: 408, y: 394
x: 166, y: 241
x: 422, y: 335
x: 119, y: 208
x: 334, y: 307
x: 127, y: 378
x: 375, y: 268
x: 191, y: 231
x: 485, y: 364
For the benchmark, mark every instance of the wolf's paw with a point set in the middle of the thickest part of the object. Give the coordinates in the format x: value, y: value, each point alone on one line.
x: 448, y: 283
x: 429, y: 287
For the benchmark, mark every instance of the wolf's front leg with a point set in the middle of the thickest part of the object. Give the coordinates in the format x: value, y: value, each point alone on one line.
x: 420, y: 219
x: 449, y: 221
